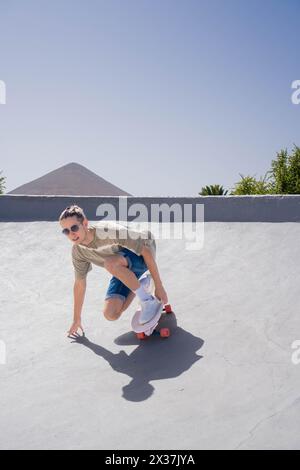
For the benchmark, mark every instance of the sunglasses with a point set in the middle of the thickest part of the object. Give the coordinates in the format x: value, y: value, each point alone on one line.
x: 67, y: 231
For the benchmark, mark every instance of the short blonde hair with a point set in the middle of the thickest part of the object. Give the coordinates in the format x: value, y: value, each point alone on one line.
x: 72, y: 211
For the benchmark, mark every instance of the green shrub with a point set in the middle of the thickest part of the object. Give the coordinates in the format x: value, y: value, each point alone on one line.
x: 285, y: 172
x: 213, y: 190
x: 250, y: 185
x: 2, y: 183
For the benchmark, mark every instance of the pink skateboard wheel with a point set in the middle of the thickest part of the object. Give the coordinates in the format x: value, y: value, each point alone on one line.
x: 141, y: 336
x: 164, y: 332
x: 168, y: 308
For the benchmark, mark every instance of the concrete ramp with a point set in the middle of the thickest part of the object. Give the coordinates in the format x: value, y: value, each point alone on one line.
x: 226, y: 379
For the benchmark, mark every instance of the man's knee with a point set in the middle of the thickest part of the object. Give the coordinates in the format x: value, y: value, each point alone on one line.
x: 115, y: 315
x: 112, y: 308
x: 111, y: 315
x: 112, y: 262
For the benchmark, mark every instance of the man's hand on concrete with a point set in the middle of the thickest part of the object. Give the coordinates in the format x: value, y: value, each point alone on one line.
x: 75, y: 327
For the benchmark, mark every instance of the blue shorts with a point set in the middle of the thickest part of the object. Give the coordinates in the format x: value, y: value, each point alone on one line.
x: 136, y: 264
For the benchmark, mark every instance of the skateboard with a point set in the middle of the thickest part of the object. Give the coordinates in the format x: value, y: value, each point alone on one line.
x: 157, y: 326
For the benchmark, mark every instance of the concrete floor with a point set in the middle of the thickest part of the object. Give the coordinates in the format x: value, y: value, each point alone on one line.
x: 224, y: 380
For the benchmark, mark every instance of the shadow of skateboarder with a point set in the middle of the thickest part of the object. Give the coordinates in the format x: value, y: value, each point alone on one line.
x: 153, y: 359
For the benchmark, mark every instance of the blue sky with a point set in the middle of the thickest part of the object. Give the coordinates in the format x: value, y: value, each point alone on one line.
x: 159, y: 97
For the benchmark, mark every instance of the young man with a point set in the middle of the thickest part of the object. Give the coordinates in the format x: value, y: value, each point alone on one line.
x: 124, y: 252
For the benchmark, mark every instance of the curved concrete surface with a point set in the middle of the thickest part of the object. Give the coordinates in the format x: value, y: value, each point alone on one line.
x: 224, y: 380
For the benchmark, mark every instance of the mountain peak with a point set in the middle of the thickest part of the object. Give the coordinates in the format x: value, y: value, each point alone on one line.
x: 71, y: 179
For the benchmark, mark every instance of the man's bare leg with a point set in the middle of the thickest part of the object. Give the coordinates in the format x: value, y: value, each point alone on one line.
x: 114, y: 307
x: 117, y: 266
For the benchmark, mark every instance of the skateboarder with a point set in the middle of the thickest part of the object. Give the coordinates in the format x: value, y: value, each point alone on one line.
x: 124, y: 252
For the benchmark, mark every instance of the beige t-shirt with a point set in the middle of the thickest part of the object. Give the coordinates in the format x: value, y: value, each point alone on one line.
x: 109, y: 238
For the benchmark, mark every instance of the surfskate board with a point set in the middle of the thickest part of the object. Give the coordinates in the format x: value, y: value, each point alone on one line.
x: 156, y: 326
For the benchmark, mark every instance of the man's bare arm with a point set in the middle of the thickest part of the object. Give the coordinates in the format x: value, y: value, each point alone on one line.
x: 79, y: 294
x: 152, y: 266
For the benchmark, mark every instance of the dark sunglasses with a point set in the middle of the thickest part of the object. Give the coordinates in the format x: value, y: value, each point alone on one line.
x: 67, y: 231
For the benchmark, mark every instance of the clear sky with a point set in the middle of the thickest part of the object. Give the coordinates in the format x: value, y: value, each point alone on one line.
x: 159, y: 97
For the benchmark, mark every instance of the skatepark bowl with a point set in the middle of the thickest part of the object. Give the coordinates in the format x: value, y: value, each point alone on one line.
x: 225, y: 379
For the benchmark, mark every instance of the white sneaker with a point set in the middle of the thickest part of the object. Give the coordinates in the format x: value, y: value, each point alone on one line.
x: 145, y: 281
x: 150, y: 308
